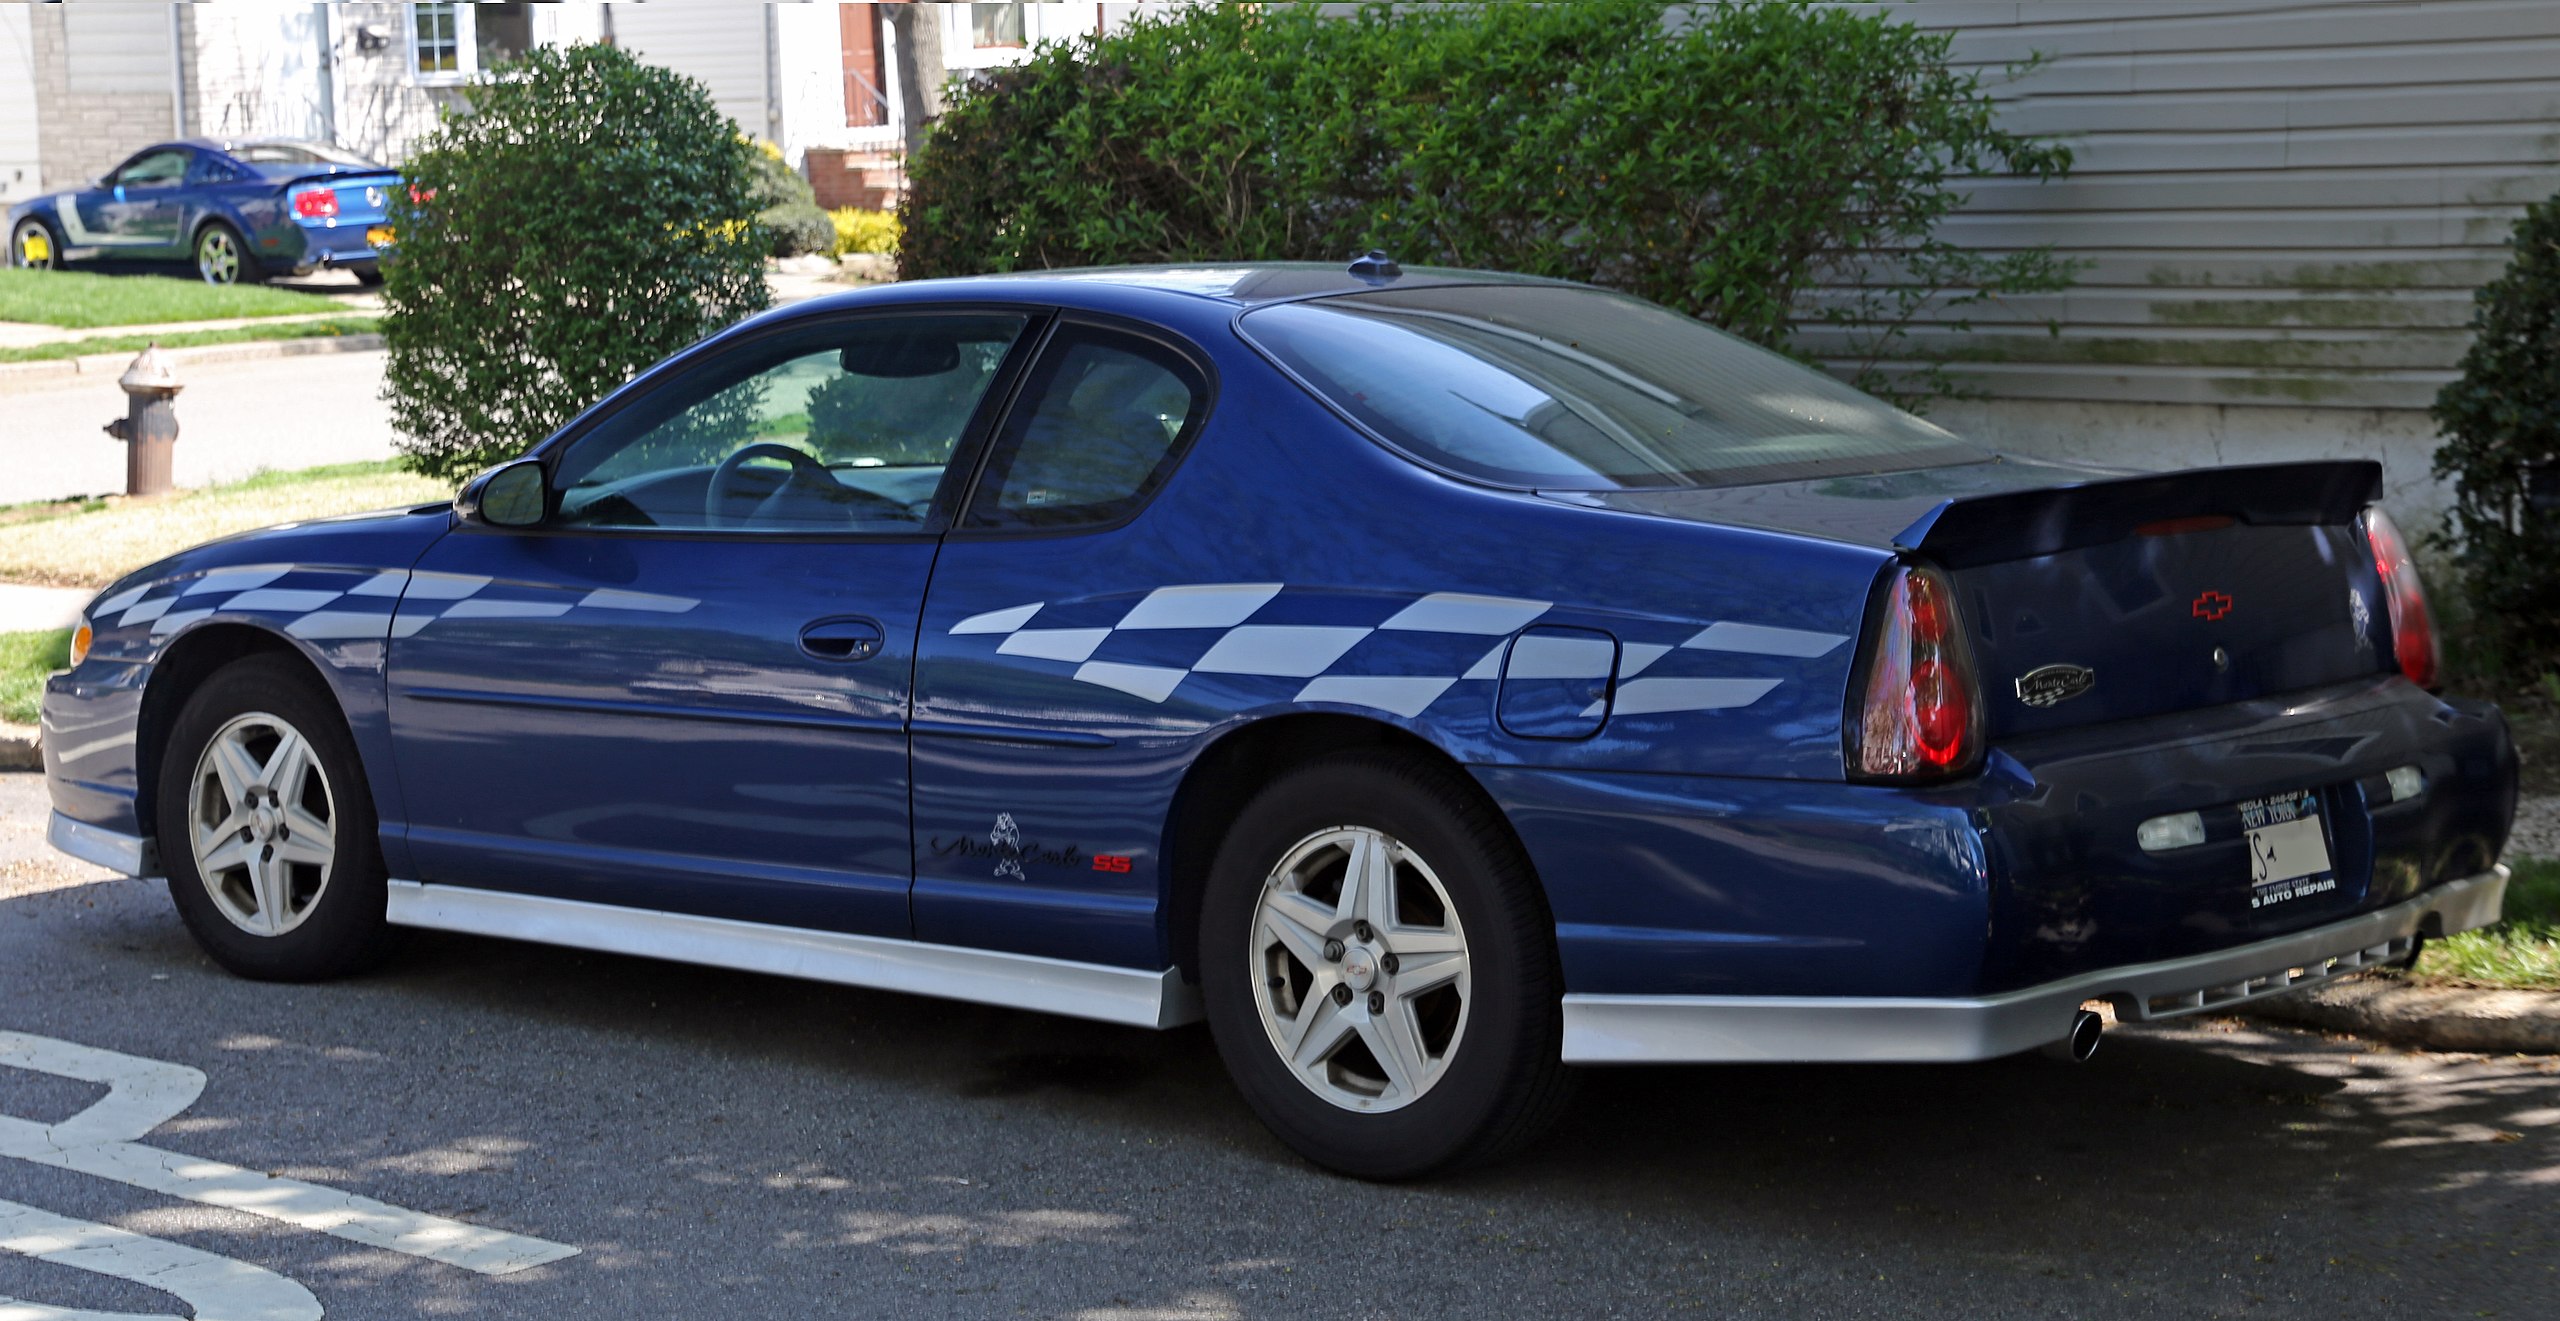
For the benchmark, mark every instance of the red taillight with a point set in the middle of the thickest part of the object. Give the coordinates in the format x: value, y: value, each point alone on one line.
x: 1919, y: 716
x: 2413, y: 627
x: 315, y: 204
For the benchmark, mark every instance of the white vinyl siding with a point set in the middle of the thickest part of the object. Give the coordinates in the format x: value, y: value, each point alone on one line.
x: 21, y: 159
x: 722, y: 46
x: 118, y: 49
x: 2281, y: 203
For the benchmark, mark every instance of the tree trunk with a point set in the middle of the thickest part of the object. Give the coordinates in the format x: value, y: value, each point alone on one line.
x: 917, y: 32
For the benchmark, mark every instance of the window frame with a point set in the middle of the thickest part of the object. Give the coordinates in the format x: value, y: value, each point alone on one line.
x: 949, y: 495
x: 1175, y: 458
x: 466, y: 49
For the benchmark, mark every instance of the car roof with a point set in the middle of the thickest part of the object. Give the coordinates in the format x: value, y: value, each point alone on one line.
x: 1240, y: 284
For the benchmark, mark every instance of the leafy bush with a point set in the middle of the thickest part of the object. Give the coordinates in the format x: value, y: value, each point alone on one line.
x: 864, y: 231
x: 2501, y: 421
x: 787, y: 207
x: 1727, y: 167
x: 541, y: 270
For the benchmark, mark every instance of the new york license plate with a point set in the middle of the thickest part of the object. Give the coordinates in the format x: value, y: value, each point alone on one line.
x: 2288, y: 850
x: 378, y: 236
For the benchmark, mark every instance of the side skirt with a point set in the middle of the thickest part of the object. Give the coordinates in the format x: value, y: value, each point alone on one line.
x: 1015, y: 981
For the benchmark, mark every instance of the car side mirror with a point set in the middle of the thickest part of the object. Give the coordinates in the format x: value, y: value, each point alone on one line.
x: 509, y: 495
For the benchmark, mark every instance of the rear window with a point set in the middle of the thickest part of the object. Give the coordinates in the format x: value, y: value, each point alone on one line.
x: 270, y: 157
x: 1566, y: 388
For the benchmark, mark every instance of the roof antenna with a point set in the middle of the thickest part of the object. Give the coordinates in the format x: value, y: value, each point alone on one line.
x: 1376, y: 266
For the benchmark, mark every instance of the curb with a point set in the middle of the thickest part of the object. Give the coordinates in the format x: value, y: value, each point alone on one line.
x: 18, y: 748
x: 107, y: 366
x: 2432, y: 1017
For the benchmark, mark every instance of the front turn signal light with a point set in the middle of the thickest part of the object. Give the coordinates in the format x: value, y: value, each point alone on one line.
x: 80, y: 639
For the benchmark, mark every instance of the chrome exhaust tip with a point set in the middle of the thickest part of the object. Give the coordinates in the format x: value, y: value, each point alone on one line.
x: 2081, y: 1042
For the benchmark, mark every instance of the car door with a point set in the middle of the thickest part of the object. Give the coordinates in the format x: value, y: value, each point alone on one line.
x: 687, y: 689
x: 100, y: 216
x: 139, y: 209
x: 1044, y: 756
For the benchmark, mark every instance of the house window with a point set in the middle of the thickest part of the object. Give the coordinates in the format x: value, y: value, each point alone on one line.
x: 506, y: 31
x: 437, y: 48
x: 997, y: 25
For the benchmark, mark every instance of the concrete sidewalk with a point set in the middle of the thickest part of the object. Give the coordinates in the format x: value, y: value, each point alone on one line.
x: 234, y: 419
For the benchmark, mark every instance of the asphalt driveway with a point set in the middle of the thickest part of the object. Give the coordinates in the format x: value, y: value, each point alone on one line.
x: 716, y: 1144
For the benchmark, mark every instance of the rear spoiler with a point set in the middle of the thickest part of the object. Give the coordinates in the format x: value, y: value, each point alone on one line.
x: 337, y: 178
x: 2017, y: 525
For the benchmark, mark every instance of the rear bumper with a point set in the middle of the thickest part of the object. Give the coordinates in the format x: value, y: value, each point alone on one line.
x: 1699, y: 1029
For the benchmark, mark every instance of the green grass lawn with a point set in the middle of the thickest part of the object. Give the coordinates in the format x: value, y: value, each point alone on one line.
x: 189, y: 339
x: 77, y: 300
x: 90, y: 543
x: 2522, y: 952
x: 25, y: 658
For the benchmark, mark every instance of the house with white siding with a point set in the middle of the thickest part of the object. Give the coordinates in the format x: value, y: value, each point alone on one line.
x: 84, y: 84
x: 2280, y: 206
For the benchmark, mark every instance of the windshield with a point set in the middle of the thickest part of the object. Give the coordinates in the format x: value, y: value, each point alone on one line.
x: 1560, y: 387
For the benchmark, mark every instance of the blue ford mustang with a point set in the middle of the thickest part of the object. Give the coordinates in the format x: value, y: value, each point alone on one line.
x: 239, y: 211
x: 1433, y: 679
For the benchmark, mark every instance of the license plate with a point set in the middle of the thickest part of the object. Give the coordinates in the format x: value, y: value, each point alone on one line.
x: 38, y: 248
x: 378, y: 236
x: 2288, y: 851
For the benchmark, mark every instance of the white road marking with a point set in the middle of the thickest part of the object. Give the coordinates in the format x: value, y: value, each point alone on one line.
x: 215, y: 1288
x: 145, y: 1094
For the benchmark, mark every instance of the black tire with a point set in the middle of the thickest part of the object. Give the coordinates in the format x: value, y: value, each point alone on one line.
x: 244, y: 267
x: 53, y: 245
x: 370, y: 278
x: 342, y: 930
x: 1502, y: 1081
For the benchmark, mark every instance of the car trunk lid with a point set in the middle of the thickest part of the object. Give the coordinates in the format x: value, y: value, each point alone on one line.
x: 363, y: 199
x: 2096, y: 596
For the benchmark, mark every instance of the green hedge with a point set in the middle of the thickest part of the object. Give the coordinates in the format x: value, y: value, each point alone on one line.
x: 588, y: 217
x: 2501, y: 421
x: 1725, y: 167
x: 787, y: 208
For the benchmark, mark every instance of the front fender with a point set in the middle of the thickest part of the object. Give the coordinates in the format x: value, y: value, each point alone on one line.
x: 326, y: 591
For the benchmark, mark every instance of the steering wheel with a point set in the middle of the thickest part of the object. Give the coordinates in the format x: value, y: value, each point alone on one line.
x: 806, y: 472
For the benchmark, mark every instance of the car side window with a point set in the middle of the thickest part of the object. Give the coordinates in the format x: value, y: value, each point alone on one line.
x: 842, y: 427
x: 211, y: 170
x: 1100, y: 424
x: 153, y: 168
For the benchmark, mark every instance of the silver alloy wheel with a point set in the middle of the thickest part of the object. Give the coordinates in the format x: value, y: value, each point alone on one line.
x: 1360, y: 969
x: 263, y: 824
x: 217, y: 257
x: 33, y: 229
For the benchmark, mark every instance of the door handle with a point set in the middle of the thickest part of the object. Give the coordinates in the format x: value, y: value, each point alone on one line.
x: 842, y: 639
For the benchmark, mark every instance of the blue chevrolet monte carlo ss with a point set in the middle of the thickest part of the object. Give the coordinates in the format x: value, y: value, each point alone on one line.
x: 238, y: 211
x: 1434, y: 679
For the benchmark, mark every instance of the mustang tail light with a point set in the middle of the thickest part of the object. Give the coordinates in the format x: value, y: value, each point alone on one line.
x: 1918, y: 714
x: 2413, y: 626
x: 315, y: 204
